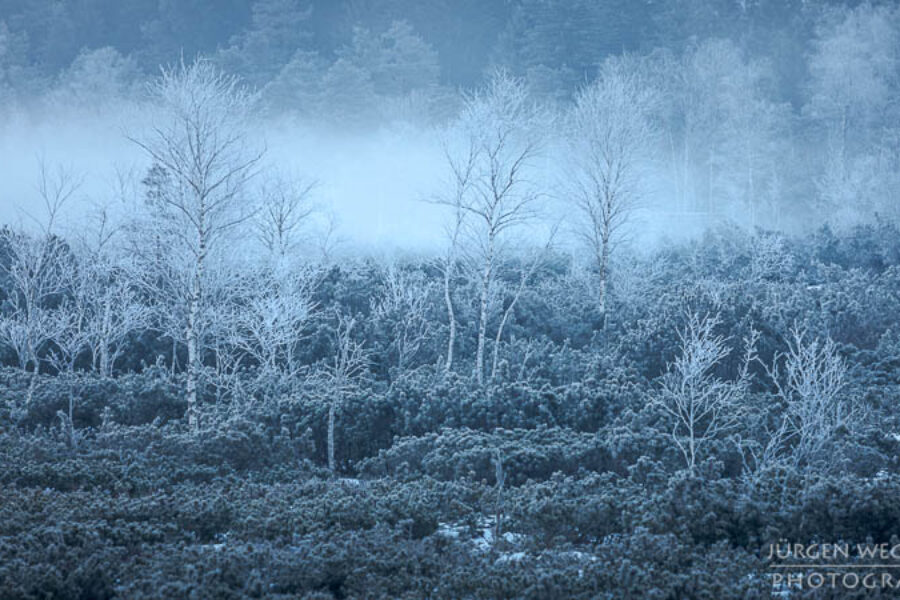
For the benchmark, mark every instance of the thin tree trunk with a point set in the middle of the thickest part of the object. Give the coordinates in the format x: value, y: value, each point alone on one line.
x: 32, y: 385
x: 193, y: 348
x: 496, y: 354
x: 451, y: 316
x: 35, y: 373
x: 691, y: 435
x: 105, y: 367
x: 523, y: 281
x: 31, y: 352
x: 193, y: 341
x: 603, y: 267
x: 331, y: 414
x: 482, y: 317
x: 192, y: 370
x: 693, y: 453
x: 495, y: 358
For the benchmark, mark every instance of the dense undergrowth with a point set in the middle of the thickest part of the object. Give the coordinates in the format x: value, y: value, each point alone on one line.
x: 560, y: 483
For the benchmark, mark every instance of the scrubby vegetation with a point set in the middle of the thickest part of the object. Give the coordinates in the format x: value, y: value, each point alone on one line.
x: 561, y: 476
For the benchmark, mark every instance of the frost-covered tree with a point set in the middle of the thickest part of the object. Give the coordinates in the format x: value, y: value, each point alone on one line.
x: 35, y: 271
x: 701, y: 405
x: 461, y: 168
x: 202, y: 163
x: 273, y: 306
x: 501, y: 126
x: 341, y: 375
x: 285, y: 208
x: 95, y: 80
x: 853, y: 67
x: 812, y: 380
x: 34, y: 275
x: 69, y: 340
x: 107, y: 283
x: 117, y: 313
x: 610, y: 139
x: 403, y: 308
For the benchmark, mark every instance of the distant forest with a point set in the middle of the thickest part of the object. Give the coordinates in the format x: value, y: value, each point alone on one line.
x: 564, y: 40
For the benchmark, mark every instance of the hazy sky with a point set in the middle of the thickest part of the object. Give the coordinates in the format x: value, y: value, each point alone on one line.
x: 376, y: 184
x: 90, y: 148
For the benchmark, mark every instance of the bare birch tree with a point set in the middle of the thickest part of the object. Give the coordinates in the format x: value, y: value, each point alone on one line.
x: 610, y: 139
x: 106, y: 280
x: 36, y: 272
x: 811, y: 379
x: 35, y: 275
x: 500, y: 124
x: 274, y: 307
x: 202, y: 165
x: 341, y: 375
x: 117, y: 313
x: 403, y: 307
x: 702, y: 406
x: 69, y: 342
x: 461, y: 179
x: 284, y: 210
x: 528, y: 270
